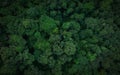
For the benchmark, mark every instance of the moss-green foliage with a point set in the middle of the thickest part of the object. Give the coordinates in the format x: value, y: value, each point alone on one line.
x: 59, y: 37
x: 47, y: 24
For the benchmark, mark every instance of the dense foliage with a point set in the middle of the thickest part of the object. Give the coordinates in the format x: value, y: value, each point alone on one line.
x: 59, y: 37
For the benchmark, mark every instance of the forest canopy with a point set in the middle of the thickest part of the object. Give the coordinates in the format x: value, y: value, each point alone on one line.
x: 59, y: 37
